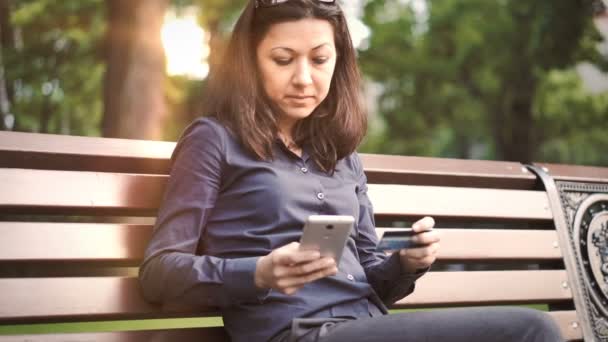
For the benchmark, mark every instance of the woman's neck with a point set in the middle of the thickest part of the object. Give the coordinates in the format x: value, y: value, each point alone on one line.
x: 285, y: 131
x: 288, y: 141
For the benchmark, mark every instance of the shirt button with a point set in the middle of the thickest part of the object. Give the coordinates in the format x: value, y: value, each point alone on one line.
x: 320, y: 195
x: 304, y: 169
x: 350, y: 277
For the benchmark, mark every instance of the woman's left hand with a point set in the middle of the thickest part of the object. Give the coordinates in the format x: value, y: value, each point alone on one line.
x: 414, y: 259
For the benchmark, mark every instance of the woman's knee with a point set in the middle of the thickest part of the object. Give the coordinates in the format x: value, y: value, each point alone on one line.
x: 536, y: 326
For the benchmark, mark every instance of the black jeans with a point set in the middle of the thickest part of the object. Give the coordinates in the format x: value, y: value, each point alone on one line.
x: 495, y: 324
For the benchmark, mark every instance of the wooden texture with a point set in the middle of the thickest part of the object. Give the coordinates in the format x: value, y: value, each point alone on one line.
x: 75, y: 192
x: 569, y: 324
x: 31, y: 300
x: 566, y: 320
x: 212, y: 334
x: 446, y: 172
x: 439, y: 289
x: 470, y: 245
x: 576, y: 173
x: 70, y: 192
x: 83, y: 242
x: 59, y: 152
x: 49, y: 151
x: 457, y: 202
x: 26, y: 143
x: 65, y: 175
x: 73, y: 242
x: 97, y: 298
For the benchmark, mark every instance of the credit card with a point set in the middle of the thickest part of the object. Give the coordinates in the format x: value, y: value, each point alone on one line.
x: 396, y: 240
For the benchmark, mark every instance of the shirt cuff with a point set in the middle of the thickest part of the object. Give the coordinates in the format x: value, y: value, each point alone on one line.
x: 239, y: 279
x: 394, y: 265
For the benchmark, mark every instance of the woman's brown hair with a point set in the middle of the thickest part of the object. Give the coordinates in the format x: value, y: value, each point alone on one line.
x: 235, y: 95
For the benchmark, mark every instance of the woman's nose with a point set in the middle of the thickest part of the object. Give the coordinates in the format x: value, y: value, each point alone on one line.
x: 302, y: 74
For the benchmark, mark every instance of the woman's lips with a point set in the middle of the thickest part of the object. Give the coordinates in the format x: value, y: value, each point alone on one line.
x: 299, y: 97
x: 299, y: 100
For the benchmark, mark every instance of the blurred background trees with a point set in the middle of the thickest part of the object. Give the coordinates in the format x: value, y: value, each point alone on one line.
x: 484, y: 79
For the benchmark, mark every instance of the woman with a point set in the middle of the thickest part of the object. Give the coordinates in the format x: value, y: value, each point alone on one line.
x: 279, y: 146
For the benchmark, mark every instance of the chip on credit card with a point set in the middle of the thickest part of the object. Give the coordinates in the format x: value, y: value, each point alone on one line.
x: 396, y: 240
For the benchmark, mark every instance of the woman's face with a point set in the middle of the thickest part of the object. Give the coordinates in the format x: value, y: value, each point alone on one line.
x: 296, y: 60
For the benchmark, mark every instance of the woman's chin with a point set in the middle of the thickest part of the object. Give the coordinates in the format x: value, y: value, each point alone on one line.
x: 298, y: 113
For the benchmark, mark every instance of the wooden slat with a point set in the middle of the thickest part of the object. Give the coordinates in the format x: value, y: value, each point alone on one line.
x: 127, y: 243
x: 211, y: 334
x: 68, y: 191
x: 395, y: 200
x: 50, y: 151
x: 84, y: 146
x: 65, y: 299
x: 466, y: 245
x: 566, y: 320
x: 61, y: 152
x: 446, y: 172
x: 569, y: 325
x: 33, y: 300
x: 75, y: 192
x: 481, y: 287
x: 576, y: 173
x: 73, y: 242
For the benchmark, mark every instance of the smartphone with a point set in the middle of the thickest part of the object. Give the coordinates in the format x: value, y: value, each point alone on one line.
x: 396, y: 240
x: 327, y: 234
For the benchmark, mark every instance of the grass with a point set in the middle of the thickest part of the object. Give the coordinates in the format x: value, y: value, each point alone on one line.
x: 149, y: 324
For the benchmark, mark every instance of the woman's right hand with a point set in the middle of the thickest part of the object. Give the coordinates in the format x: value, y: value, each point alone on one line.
x: 287, y: 269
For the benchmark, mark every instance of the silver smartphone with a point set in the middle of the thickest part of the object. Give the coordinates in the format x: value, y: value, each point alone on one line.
x: 327, y: 234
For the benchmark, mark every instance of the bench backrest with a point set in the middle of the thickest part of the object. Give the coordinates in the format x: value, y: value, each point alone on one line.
x: 76, y: 214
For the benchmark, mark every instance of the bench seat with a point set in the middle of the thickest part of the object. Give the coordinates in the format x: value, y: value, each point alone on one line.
x: 76, y: 214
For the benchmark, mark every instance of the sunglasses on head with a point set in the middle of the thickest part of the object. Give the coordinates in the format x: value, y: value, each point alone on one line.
x: 270, y: 3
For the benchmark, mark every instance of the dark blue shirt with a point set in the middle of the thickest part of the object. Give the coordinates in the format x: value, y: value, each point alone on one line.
x: 223, y: 209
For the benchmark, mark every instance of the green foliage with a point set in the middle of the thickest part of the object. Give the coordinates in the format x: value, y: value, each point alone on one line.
x: 469, y: 78
x: 55, y: 69
x: 461, y: 80
x: 184, y: 96
x: 573, y: 120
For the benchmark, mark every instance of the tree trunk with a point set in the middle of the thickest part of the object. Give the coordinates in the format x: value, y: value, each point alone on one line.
x: 6, y: 38
x: 514, y: 123
x: 217, y: 45
x: 514, y: 139
x: 134, y: 98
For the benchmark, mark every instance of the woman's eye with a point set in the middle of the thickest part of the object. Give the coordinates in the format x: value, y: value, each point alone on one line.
x: 282, y: 61
x: 320, y: 60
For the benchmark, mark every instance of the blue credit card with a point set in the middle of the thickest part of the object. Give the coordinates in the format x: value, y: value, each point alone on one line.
x: 396, y: 240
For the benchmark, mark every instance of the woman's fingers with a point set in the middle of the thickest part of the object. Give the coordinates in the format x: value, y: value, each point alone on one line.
x: 425, y: 224
x: 420, y: 252
x: 304, y: 268
x: 427, y: 238
x: 288, y: 268
x: 291, y: 254
x: 299, y: 281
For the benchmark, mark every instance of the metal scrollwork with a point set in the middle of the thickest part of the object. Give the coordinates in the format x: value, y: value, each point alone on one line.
x: 586, y: 211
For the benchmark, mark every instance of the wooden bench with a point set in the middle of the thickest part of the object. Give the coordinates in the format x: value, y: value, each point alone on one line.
x: 76, y: 214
